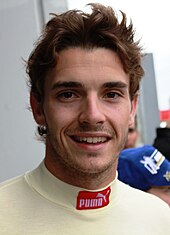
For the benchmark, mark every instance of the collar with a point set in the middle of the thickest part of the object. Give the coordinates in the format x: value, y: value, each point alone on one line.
x: 57, y: 191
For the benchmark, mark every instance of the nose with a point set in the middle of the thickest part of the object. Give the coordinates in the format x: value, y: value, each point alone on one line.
x: 92, y: 111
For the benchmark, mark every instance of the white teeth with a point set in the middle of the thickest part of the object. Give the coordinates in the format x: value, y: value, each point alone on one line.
x: 93, y: 140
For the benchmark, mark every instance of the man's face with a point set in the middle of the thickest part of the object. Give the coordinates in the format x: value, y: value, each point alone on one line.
x: 132, y: 137
x: 87, y: 110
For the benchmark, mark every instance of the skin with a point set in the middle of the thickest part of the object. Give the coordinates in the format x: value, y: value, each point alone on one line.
x: 87, y: 111
x: 132, y: 138
x: 162, y: 192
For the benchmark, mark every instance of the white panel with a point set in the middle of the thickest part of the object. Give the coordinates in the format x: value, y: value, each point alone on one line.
x: 54, y: 6
x: 19, y: 151
x: 148, y: 102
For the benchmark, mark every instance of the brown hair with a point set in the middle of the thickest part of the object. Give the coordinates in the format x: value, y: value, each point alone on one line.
x: 74, y: 28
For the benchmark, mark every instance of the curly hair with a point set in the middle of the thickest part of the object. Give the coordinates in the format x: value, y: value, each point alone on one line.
x: 74, y: 28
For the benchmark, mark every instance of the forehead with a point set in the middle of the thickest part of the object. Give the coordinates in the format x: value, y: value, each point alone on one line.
x: 91, y: 58
x: 93, y: 55
x: 96, y: 65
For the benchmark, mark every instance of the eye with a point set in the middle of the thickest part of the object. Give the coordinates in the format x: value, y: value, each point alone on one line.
x: 111, y: 95
x: 67, y: 96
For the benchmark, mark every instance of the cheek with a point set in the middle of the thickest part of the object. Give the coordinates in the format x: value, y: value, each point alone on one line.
x: 120, y: 127
x: 124, y: 121
x: 121, y: 112
x: 165, y: 197
x: 120, y: 117
x: 60, y: 119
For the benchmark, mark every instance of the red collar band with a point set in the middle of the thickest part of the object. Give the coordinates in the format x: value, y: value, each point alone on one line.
x: 93, y: 200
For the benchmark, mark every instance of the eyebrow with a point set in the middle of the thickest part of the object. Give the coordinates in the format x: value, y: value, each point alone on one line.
x: 72, y: 84
x: 115, y: 85
x: 67, y: 84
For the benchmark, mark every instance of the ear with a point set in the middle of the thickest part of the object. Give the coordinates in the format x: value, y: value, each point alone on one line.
x: 134, y: 103
x: 37, y: 109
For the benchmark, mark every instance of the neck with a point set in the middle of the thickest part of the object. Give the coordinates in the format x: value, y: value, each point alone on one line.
x: 91, y: 181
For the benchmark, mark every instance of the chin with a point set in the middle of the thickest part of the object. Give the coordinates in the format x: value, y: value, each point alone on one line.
x: 94, y: 169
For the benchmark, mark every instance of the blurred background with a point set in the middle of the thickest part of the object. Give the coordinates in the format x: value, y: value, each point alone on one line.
x: 21, y: 22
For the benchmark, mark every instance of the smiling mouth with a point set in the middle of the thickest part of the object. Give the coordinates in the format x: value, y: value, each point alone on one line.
x: 90, y: 140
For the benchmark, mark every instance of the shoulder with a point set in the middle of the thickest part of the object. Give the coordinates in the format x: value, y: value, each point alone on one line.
x: 143, y: 208
x: 14, y: 187
x: 142, y: 200
x: 11, y: 182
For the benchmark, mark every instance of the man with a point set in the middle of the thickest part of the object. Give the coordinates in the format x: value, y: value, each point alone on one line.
x: 133, y: 136
x: 145, y: 168
x: 84, y: 78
